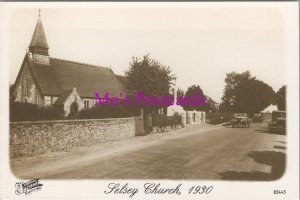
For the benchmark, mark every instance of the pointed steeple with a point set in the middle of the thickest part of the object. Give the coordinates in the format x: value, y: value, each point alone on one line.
x: 38, y: 42
x: 38, y: 47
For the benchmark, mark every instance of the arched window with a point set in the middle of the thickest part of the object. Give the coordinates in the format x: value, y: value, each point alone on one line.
x: 25, y: 87
x: 37, y: 98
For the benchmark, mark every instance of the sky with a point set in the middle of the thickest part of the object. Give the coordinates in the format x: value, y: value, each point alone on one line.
x: 200, y: 43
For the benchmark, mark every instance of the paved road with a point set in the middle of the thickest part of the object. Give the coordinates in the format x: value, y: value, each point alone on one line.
x: 224, y: 153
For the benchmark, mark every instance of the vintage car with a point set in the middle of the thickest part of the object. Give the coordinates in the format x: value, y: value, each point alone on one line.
x: 240, y: 121
x: 278, y: 122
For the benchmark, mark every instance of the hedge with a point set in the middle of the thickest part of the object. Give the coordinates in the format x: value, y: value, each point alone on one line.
x: 162, y: 121
x: 30, y: 112
x: 107, y: 111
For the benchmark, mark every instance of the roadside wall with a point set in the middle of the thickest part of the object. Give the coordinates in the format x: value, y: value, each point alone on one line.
x: 35, y: 138
x: 195, y: 117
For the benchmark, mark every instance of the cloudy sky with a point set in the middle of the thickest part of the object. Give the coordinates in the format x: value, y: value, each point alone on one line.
x: 201, y: 42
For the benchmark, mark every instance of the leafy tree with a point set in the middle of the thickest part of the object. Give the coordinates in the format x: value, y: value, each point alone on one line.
x: 245, y: 94
x: 180, y: 92
x: 191, y: 91
x: 280, y: 98
x: 152, y: 78
x: 149, y: 76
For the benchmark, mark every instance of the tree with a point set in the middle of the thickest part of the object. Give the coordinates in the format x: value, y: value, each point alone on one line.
x: 150, y: 77
x: 280, y: 98
x: 245, y: 94
x: 191, y: 91
x: 180, y: 92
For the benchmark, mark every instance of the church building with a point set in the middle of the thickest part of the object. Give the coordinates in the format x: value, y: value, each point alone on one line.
x: 47, y: 81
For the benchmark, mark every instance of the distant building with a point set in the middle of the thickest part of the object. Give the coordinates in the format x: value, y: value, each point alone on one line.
x: 213, y: 106
x: 47, y: 81
x: 270, y: 109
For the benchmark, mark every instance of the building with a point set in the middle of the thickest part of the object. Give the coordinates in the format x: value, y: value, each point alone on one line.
x: 212, y: 105
x: 47, y: 81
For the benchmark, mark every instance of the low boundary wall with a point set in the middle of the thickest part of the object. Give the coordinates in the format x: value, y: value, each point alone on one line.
x: 38, y: 137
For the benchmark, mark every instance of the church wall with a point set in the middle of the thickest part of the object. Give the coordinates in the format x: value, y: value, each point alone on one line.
x: 92, y: 102
x: 25, y: 88
x: 40, y: 58
x: 71, y: 99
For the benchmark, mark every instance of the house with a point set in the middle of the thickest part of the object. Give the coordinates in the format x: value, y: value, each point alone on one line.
x: 47, y: 81
x: 212, y: 105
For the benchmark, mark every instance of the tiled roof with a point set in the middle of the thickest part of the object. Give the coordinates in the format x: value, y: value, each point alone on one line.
x: 61, y: 75
x: 39, y: 38
x: 123, y: 80
x: 62, y: 98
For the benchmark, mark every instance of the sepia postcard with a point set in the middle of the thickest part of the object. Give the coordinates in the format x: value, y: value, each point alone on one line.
x: 149, y: 100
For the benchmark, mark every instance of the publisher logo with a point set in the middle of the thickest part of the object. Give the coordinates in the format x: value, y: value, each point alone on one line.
x: 28, y: 187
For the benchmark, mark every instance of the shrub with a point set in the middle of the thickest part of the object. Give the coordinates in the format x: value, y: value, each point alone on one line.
x: 23, y: 111
x: 52, y: 113
x: 107, y: 111
x: 159, y: 120
x: 162, y: 121
x: 174, y: 120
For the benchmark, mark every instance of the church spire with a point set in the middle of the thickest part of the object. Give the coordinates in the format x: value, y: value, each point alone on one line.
x: 39, y: 38
x: 38, y: 45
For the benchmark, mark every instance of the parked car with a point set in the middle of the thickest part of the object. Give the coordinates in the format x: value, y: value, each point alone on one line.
x: 240, y: 121
x: 278, y: 122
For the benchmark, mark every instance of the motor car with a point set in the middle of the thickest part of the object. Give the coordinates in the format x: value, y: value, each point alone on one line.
x: 278, y: 122
x: 240, y: 121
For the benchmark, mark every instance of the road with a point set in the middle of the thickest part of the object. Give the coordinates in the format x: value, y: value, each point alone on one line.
x: 211, y: 152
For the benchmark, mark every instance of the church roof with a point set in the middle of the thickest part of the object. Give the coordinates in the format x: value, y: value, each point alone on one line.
x: 62, y: 75
x: 39, y: 37
x: 123, y: 80
x: 63, y: 97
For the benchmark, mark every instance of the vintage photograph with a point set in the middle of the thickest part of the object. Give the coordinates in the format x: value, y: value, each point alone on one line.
x: 148, y: 92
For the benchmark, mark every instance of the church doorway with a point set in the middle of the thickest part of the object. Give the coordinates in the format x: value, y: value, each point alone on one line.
x: 73, y: 109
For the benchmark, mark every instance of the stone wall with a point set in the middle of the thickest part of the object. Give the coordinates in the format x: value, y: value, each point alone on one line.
x: 25, y: 87
x: 35, y: 138
x: 195, y: 117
